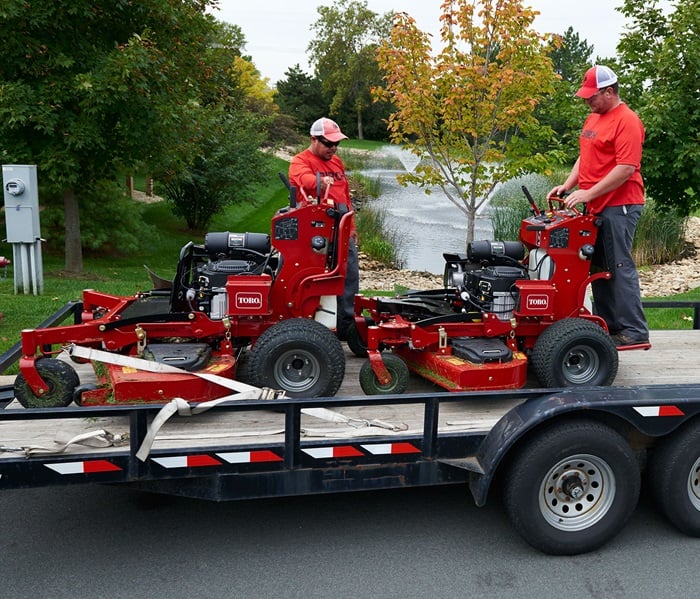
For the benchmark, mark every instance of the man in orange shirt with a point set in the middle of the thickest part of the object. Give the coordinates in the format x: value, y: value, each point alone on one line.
x: 320, y: 158
x: 610, y: 184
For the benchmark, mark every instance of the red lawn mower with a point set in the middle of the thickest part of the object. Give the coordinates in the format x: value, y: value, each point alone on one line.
x: 504, y: 306
x: 252, y: 307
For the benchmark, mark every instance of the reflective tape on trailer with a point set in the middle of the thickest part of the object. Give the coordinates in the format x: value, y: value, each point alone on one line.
x: 390, y: 448
x: 341, y: 451
x: 84, y: 467
x: 249, y: 457
x: 187, y: 461
x: 657, y: 411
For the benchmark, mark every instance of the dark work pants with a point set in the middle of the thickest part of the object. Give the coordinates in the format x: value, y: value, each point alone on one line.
x: 618, y: 300
x: 346, y: 302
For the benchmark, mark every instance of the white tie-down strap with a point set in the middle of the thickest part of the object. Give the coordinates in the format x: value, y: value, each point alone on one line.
x: 182, y: 408
x: 357, y: 423
x: 98, y: 355
x: 100, y: 438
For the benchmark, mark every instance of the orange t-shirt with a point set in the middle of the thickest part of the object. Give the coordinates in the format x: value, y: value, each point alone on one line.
x: 607, y: 140
x: 303, y: 171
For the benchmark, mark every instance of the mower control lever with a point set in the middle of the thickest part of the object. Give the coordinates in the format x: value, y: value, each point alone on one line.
x: 535, y: 210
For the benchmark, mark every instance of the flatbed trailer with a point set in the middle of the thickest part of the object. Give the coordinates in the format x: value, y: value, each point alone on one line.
x: 568, y: 461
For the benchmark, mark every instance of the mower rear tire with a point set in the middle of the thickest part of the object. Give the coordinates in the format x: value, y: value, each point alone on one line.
x: 572, y: 352
x: 398, y: 371
x: 299, y: 356
x: 61, y: 378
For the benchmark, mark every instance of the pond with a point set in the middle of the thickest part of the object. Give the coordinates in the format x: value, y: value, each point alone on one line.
x: 425, y: 225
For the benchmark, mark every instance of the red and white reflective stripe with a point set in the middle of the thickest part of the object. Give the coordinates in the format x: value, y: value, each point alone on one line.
x: 391, y: 448
x: 187, y: 461
x: 655, y: 411
x: 84, y: 467
x: 249, y: 457
x: 341, y: 451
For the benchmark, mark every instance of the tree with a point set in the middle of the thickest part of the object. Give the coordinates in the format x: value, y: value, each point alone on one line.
x: 562, y: 110
x: 221, y: 172
x: 300, y: 96
x: 344, y: 54
x: 468, y: 112
x: 661, y: 58
x: 90, y: 90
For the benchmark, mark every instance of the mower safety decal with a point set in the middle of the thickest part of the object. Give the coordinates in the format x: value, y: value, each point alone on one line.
x: 249, y: 457
x: 341, y: 451
x: 654, y: 411
x: 84, y: 467
x: 187, y: 461
x: 391, y: 448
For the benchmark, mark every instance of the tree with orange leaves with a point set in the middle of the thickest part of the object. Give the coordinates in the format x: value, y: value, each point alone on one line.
x: 467, y: 111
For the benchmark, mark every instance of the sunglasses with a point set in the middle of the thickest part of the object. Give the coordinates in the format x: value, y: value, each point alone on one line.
x: 328, y: 144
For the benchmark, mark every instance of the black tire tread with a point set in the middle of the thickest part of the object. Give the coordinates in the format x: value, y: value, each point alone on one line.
x: 305, y: 334
x: 538, y: 454
x: 544, y: 358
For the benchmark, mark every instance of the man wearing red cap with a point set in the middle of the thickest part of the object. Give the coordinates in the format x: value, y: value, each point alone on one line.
x: 304, y: 169
x: 610, y: 184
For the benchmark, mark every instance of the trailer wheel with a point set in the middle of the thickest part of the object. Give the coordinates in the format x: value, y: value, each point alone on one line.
x: 399, y: 376
x: 674, y: 474
x: 59, y: 376
x: 572, y: 488
x: 299, y: 356
x: 574, y: 351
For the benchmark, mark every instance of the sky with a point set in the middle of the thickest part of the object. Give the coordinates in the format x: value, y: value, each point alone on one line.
x: 278, y: 31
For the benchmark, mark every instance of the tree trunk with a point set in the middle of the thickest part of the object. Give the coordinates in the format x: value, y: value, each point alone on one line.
x: 360, y: 132
x: 73, y: 247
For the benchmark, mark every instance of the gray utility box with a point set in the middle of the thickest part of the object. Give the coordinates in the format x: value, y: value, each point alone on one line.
x: 21, y: 194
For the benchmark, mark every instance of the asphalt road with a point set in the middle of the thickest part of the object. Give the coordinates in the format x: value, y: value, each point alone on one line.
x: 95, y: 541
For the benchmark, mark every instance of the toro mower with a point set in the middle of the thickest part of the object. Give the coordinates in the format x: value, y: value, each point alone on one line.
x: 253, y: 307
x: 505, y: 306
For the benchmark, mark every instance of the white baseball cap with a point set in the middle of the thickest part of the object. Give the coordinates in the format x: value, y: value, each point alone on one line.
x: 328, y: 129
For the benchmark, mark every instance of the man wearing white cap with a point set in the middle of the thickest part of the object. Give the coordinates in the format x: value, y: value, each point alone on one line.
x: 321, y: 158
x: 610, y: 184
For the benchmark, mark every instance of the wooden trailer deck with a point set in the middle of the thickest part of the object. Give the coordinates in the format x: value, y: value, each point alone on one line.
x: 673, y: 359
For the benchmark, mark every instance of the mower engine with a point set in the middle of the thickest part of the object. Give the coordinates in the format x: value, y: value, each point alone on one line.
x: 203, y: 282
x: 485, y: 278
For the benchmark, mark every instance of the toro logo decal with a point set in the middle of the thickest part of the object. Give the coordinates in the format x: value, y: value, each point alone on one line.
x: 537, y: 302
x: 249, y: 300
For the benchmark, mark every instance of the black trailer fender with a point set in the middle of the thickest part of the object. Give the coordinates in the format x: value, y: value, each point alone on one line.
x: 653, y: 411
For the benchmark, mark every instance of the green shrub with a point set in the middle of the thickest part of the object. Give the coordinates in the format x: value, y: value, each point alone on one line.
x: 660, y: 236
x: 376, y: 239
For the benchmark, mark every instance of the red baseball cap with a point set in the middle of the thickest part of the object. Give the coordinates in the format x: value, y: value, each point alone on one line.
x: 327, y: 128
x: 595, y: 79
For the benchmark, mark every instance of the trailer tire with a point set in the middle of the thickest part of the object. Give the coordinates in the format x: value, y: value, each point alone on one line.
x: 674, y: 474
x: 399, y: 376
x: 299, y: 356
x: 572, y: 487
x: 61, y: 378
x: 572, y: 352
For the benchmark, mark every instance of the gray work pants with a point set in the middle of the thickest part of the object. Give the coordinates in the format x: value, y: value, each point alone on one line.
x: 618, y: 300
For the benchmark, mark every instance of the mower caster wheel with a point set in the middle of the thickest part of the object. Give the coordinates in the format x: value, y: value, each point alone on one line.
x: 397, y: 370
x: 59, y: 376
